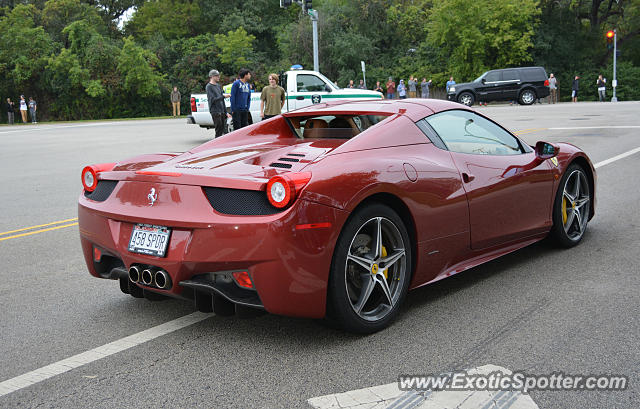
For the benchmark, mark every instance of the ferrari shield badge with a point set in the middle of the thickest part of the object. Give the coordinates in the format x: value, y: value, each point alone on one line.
x: 554, y: 161
x: 152, y: 196
x: 316, y: 98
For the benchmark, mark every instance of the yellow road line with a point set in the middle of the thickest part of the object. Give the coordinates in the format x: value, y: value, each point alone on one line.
x: 38, y: 231
x: 524, y: 131
x: 40, y: 225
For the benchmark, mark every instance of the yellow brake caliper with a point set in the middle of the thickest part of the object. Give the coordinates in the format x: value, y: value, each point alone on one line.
x: 564, y: 211
x: 386, y: 270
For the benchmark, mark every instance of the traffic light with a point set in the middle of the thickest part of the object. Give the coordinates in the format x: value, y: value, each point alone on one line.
x: 285, y: 3
x: 610, y: 34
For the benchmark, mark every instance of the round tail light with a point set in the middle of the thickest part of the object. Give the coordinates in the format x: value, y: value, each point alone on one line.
x: 89, y: 175
x: 283, y: 189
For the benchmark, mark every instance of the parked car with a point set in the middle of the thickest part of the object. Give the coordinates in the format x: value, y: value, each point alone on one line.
x: 320, y: 213
x: 524, y: 85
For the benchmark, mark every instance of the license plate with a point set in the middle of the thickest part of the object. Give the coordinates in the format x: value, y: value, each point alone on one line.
x: 148, y: 239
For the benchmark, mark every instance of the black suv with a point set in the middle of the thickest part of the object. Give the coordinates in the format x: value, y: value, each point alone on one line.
x: 524, y: 85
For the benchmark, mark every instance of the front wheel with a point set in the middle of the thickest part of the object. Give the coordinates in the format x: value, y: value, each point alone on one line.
x: 527, y: 97
x: 572, y: 207
x: 370, y: 270
x: 466, y: 98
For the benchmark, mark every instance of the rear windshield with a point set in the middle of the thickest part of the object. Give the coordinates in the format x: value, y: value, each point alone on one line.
x: 332, y: 126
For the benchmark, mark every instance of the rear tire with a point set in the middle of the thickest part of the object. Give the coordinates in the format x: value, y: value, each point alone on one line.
x: 527, y: 97
x: 370, y: 270
x: 571, y: 207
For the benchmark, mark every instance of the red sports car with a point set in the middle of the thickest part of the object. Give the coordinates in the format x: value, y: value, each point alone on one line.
x: 336, y: 210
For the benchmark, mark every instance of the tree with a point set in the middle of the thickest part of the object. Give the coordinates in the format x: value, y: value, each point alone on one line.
x: 235, y: 49
x: 138, y: 68
x: 483, y: 34
x: 171, y: 19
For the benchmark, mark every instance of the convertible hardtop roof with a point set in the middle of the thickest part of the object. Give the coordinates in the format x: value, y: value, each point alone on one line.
x: 415, y: 108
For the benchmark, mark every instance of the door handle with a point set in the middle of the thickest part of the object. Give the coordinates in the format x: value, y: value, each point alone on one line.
x: 467, y: 177
x: 300, y: 98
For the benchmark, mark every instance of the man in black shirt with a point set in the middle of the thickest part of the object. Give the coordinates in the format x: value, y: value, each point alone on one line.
x: 10, y: 111
x: 216, y: 102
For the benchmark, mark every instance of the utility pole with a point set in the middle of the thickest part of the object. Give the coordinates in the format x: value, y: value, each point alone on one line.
x: 614, y: 83
x: 313, y: 14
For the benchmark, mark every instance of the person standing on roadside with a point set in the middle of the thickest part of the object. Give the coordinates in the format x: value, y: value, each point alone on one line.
x: 215, y: 98
x: 10, y: 111
x: 351, y: 85
x: 574, y: 89
x: 33, y: 107
x: 241, y: 99
x: 402, y: 90
x: 23, y: 109
x: 450, y: 84
x: 553, y: 89
x: 361, y: 85
x: 378, y: 88
x: 413, y: 87
x: 602, y: 87
x: 272, y: 98
x: 391, y: 88
x: 175, y: 101
x: 424, y: 85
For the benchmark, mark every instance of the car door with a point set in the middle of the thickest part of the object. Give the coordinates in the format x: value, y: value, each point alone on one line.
x: 509, y: 191
x: 489, y: 86
x: 310, y: 89
x: 510, y: 85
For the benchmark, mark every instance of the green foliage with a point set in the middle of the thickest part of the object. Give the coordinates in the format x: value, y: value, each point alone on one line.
x: 483, y: 34
x: 138, y: 69
x: 71, y: 56
x: 171, y: 19
x: 235, y: 49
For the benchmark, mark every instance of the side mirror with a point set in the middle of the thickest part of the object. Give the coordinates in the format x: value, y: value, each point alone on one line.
x: 546, y: 150
x: 327, y: 88
x: 483, y: 80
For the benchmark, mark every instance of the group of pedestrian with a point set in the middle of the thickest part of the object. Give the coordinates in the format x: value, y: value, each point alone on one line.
x: 272, y: 100
x: 402, y: 90
x: 23, y: 107
x: 601, y: 85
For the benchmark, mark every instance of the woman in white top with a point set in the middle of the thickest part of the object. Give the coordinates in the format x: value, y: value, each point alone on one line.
x: 23, y: 109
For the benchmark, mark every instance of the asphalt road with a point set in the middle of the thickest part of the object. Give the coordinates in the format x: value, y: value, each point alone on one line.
x: 540, y: 309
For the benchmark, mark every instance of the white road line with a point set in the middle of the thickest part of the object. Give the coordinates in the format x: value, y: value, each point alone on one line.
x: 54, y: 127
x: 597, y: 127
x: 65, y: 365
x: 617, y: 157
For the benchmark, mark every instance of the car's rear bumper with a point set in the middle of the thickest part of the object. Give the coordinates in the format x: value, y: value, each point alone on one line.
x: 289, y: 265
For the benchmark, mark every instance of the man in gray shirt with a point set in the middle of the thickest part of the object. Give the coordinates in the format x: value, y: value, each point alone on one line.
x: 413, y: 83
x: 215, y: 98
x: 553, y: 89
x: 425, y: 87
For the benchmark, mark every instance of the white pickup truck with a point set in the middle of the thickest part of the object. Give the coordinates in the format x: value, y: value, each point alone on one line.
x: 302, y: 88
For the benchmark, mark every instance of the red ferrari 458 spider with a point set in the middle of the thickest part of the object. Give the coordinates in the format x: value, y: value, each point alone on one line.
x: 335, y: 210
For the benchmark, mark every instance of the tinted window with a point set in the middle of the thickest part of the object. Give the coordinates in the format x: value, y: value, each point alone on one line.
x: 493, y: 76
x: 533, y: 74
x: 467, y: 132
x: 309, y: 83
x: 510, y: 75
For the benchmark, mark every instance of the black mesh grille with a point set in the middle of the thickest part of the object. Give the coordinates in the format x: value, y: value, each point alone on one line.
x: 281, y: 165
x: 103, y: 190
x: 289, y: 159
x: 239, y: 202
x: 295, y: 154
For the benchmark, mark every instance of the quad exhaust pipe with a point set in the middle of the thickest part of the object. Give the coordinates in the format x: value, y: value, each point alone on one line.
x: 150, y: 276
x: 134, y: 274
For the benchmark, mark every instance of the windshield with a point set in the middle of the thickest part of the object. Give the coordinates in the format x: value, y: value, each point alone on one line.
x: 333, y: 126
x: 480, y: 77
